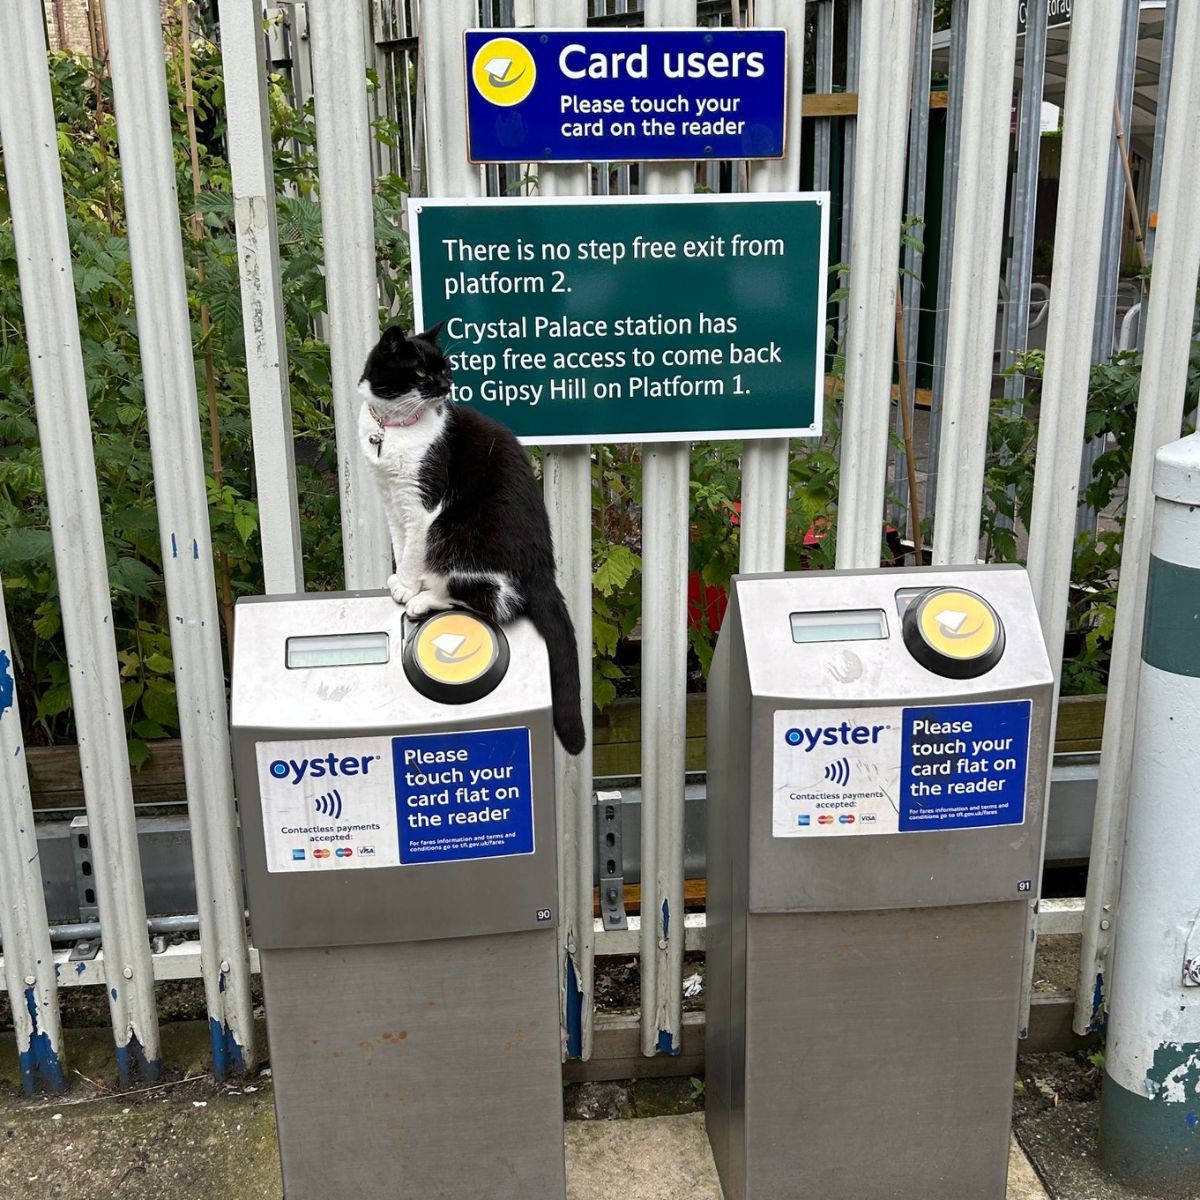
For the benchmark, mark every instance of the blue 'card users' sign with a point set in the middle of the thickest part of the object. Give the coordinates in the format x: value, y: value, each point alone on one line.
x: 463, y: 795
x: 962, y: 766
x: 586, y: 95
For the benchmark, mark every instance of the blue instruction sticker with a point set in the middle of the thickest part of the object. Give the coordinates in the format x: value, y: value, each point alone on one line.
x: 963, y: 766
x: 463, y: 795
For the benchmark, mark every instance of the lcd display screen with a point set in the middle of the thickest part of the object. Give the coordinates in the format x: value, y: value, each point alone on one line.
x: 853, y: 625
x: 337, y: 650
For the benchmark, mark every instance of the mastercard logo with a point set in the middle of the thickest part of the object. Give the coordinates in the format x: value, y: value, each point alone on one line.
x: 825, y: 819
x: 320, y: 854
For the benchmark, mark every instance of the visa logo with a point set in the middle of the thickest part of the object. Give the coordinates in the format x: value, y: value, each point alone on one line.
x: 319, y: 767
x: 844, y: 734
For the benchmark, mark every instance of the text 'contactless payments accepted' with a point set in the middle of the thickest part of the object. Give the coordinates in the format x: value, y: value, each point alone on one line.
x: 351, y: 803
x: 908, y: 769
x: 610, y: 95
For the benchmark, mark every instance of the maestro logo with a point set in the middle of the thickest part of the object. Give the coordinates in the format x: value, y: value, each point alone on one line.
x: 503, y: 72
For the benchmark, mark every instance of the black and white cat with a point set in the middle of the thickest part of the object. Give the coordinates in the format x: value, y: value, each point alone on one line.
x: 467, y: 520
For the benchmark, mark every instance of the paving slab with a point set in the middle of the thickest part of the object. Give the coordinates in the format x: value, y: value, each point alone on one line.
x: 193, y: 1141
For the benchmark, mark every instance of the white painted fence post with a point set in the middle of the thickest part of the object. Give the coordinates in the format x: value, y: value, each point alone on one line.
x: 765, y: 460
x: 885, y: 58
x: 666, y: 469
x: 567, y: 476
x: 28, y: 958
x: 1168, y: 324
x: 1087, y: 129
x: 169, y: 375
x: 1150, y: 1102
x: 983, y: 170
x: 351, y: 286
x: 52, y: 331
x: 253, y: 176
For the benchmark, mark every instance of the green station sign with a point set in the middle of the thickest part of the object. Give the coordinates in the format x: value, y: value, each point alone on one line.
x: 639, y: 318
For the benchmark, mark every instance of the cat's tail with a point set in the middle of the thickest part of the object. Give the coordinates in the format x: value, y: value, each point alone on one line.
x: 548, y: 611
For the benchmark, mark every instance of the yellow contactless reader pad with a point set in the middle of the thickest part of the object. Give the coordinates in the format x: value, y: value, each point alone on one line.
x: 954, y: 632
x: 455, y: 657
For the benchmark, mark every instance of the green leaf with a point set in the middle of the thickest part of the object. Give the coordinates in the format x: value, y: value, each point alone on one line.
x: 616, y: 569
x: 158, y: 703
x: 604, y: 634
x: 131, y: 692
x: 603, y: 692
x: 160, y: 664
x: 246, y: 524
x: 55, y: 700
x: 48, y: 623
x: 139, y: 752
x: 132, y: 576
x: 149, y: 729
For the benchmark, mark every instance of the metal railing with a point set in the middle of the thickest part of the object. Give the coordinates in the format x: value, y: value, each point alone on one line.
x: 880, y: 56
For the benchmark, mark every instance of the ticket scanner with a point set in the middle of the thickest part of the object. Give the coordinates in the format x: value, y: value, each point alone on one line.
x: 396, y: 794
x: 877, y: 756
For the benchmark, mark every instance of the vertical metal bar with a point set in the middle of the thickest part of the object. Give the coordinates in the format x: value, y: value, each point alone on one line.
x: 442, y: 23
x: 1165, y: 70
x: 958, y: 53
x: 765, y: 461
x: 983, y: 167
x: 28, y: 959
x: 1087, y: 135
x: 1164, y: 380
x: 887, y: 50
x: 351, y: 288
x: 250, y: 154
x: 914, y: 207
x: 850, y: 137
x: 568, y: 489
x: 1015, y: 333
x: 666, y: 468
x: 52, y: 332
x: 1114, y: 238
x: 822, y: 126
x: 165, y: 339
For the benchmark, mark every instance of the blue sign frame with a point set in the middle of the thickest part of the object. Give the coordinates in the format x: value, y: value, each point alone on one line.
x: 617, y: 95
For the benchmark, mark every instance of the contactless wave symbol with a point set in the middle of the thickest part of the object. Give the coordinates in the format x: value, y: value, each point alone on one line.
x: 330, y: 804
x: 838, y: 772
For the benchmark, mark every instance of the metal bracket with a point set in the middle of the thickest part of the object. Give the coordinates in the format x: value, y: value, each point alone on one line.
x: 84, y: 951
x: 1191, y: 956
x: 608, y: 864
x: 85, y: 879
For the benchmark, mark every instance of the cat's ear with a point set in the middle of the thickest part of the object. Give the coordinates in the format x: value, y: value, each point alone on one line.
x: 431, y: 335
x: 395, y: 343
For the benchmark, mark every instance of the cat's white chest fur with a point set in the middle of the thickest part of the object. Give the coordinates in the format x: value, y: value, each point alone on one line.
x: 394, y: 456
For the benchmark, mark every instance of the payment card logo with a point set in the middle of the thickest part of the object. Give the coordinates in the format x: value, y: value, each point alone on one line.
x: 297, y: 856
x: 804, y: 819
x: 320, y: 854
x: 503, y: 72
x: 825, y: 819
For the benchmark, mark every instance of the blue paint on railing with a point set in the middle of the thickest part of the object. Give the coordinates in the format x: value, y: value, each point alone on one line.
x: 41, y: 1060
x: 174, y: 547
x: 132, y: 1061
x: 228, y: 1057
x: 666, y: 920
x: 574, y: 1013
x: 666, y: 1043
x: 6, y: 685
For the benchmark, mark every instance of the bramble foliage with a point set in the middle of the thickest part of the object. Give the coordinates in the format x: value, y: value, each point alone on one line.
x: 87, y: 148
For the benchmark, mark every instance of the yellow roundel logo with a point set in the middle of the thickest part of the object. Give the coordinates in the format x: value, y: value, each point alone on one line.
x: 455, y: 647
x: 503, y: 72
x: 959, y: 624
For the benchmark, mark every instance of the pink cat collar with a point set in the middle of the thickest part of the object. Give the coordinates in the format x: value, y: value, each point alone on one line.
x: 396, y: 424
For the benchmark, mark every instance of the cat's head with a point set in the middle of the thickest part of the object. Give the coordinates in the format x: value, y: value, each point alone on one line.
x: 406, y: 373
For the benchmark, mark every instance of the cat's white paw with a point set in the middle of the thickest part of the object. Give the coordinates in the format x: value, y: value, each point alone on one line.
x: 426, y: 602
x: 403, y: 590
